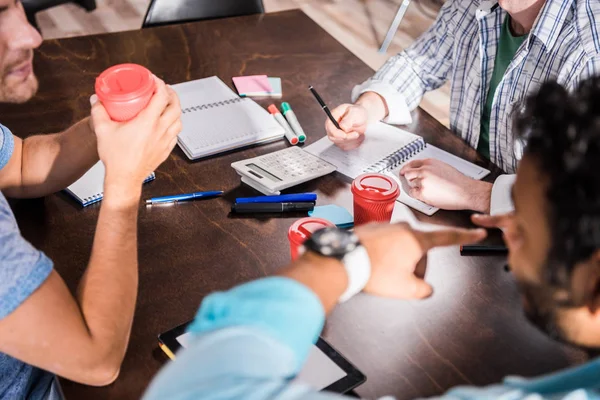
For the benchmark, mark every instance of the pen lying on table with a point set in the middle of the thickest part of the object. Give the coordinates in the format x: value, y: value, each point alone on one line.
x: 271, y: 207
x: 283, y: 198
x: 183, y: 197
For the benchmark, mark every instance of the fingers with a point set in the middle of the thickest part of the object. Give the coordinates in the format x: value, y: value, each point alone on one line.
x: 351, y: 119
x: 413, y: 173
x: 99, y: 115
x: 414, y: 165
x: 174, y: 130
x: 416, y: 193
x: 348, y: 145
x: 419, y: 289
x: 334, y: 134
x: 171, y: 114
x: 449, y: 237
x: 158, y: 102
x: 491, y: 221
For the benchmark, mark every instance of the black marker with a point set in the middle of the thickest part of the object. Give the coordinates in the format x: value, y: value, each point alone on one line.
x: 475, y: 249
x: 271, y: 207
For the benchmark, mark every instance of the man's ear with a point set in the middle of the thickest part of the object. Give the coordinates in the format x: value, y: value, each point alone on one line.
x: 585, y: 283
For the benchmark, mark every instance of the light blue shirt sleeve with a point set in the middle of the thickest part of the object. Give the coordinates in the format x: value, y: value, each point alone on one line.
x: 7, y: 145
x: 250, y: 342
x: 22, y: 268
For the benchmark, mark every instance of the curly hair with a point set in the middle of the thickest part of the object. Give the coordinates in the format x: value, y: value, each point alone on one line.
x: 562, y: 131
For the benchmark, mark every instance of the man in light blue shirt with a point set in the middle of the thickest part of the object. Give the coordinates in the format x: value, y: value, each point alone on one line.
x: 44, y: 329
x: 249, y: 342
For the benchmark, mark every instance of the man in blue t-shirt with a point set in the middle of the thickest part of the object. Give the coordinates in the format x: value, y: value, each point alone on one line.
x: 44, y: 329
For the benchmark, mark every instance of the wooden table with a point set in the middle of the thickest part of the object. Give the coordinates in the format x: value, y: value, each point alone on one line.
x: 470, y: 332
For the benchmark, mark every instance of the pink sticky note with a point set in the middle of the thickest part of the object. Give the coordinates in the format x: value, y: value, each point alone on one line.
x: 252, y: 84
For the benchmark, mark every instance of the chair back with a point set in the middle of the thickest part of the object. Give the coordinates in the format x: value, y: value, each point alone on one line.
x: 165, y: 12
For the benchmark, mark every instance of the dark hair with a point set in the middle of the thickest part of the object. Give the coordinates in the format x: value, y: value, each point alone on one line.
x: 562, y: 131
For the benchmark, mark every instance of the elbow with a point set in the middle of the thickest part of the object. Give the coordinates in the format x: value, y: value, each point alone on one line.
x: 99, y: 372
x: 101, y: 375
x: 104, y: 376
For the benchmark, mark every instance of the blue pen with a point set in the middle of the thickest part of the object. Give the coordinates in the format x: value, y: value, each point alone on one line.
x: 284, y: 198
x: 182, y: 197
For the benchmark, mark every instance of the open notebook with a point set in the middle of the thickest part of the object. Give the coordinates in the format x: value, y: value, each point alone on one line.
x: 216, y: 120
x: 385, y: 150
x: 89, y: 189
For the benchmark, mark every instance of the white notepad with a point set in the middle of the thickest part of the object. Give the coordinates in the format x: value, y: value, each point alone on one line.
x: 385, y: 150
x: 89, y: 189
x: 216, y: 120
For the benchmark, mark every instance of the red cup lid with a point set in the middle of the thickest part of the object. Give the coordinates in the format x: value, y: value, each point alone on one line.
x: 124, y: 82
x: 375, y: 187
x: 305, y: 227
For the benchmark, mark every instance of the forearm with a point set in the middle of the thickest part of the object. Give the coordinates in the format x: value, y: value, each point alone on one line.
x: 50, y: 163
x: 325, y: 277
x: 108, y: 290
x: 250, y: 340
x: 480, y: 196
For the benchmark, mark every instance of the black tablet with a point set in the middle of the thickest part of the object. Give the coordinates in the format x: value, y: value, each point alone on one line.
x: 325, y: 368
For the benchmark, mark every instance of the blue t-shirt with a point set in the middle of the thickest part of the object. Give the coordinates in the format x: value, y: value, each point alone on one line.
x: 22, y: 270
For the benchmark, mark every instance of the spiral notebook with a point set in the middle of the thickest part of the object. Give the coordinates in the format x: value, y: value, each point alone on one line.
x: 385, y: 150
x: 216, y: 120
x: 89, y: 189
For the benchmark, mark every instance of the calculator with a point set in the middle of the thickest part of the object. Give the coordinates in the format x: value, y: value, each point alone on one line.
x: 274, y: 172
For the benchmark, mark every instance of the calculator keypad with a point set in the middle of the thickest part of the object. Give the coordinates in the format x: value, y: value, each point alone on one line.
x: 294, y: 163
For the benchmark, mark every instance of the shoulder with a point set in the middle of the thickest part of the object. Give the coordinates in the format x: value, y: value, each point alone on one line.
x: 467, y: 7
x: 588, y: 26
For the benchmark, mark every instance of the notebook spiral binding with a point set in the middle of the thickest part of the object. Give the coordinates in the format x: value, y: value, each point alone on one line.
x: 398, y: 157
x: 98, y: 197
x: 212, y: 105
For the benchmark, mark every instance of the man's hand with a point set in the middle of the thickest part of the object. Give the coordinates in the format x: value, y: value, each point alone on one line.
x: 353, y: 119
x: 507, y: 223
x: 132, y: 150
x: 395, y: 250
x: 440, y: 185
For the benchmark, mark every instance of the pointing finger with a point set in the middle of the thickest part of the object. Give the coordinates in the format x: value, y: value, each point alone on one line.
x: 449, y: 237
x: 491, y: 221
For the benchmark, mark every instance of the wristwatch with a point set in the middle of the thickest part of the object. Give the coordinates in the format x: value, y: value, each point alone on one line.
x: 343, y: 245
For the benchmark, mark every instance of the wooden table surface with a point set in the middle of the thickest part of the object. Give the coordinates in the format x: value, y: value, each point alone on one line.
x: 470, y: 332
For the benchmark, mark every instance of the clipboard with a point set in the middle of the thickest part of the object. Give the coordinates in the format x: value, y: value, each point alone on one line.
x: 170, y: 344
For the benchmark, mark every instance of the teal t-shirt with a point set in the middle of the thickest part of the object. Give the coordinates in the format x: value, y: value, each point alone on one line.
x: 507, y: 48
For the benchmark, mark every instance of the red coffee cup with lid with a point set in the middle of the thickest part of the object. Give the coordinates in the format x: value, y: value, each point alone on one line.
x: 374, y: 198
x: 125, y: 90
x: 301, y: 230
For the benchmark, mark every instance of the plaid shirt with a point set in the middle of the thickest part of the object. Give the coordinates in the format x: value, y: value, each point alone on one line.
x: 564, y: 45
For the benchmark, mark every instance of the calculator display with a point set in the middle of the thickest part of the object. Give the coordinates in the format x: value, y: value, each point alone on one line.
x: 264, y: 173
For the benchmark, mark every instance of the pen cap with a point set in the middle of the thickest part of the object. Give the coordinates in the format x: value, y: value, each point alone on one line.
x: 285, y: 107
x: 301, y: 230
x: 273, y: 109
x: 374, y: 198
x: 125, y: 90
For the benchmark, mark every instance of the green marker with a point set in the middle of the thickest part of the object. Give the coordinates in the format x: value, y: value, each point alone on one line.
x: 293, y: 121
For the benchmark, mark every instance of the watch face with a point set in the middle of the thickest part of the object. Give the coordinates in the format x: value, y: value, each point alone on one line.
x: 333, y: 242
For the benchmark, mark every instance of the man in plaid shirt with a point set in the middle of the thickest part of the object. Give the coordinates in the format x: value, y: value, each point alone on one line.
x: 494, y: 53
